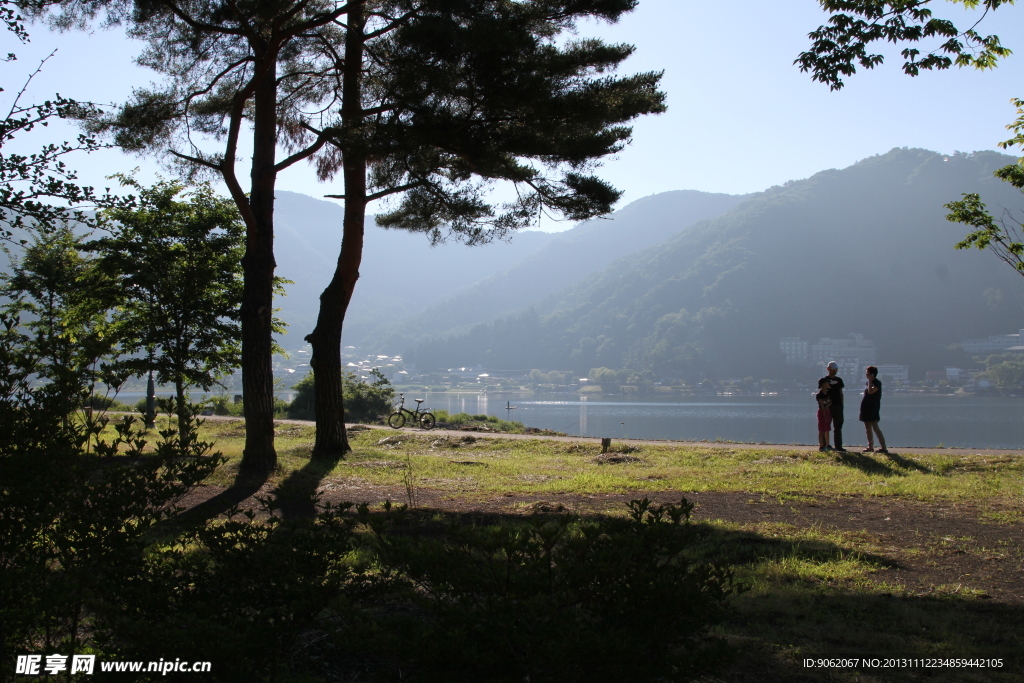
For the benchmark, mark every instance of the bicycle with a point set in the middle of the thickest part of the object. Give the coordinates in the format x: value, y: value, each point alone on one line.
x: 425, y: 420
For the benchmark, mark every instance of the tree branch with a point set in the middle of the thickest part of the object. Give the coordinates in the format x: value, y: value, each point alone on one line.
x: 385, y: 193
x: 202, y: 26
x: 395, y: 23
x: 303, y: 154
x: 199, y: 161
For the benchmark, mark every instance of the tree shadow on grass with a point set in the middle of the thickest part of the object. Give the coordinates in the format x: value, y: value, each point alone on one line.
x: 774, y: 631
x: 244, y: 486
x: 809, y: 597
x: 815, y: 598
x: 297, y: 495
x: 739, y: 547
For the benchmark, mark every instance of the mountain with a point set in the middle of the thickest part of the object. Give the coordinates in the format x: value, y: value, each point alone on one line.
x: 401, y: 273
x: 569, y: 257
x: 864, y: 249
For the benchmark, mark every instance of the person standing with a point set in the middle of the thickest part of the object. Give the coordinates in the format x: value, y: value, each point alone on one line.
x: 824, y: 419
x: 835, y: 394
x: 870, y: 406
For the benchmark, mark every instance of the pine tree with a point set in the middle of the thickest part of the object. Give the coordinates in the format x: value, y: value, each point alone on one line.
x: 432, y: 100
x: 439, y: 101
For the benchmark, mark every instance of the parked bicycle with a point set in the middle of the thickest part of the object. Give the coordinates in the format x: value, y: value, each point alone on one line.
x: 420, y: 418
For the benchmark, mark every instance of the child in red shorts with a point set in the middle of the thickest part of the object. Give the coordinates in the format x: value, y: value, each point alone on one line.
x: 824, y: 415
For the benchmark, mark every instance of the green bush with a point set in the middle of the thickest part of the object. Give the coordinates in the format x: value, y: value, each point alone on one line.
x: 488, y: 421
x: 244, y: 594
x: 363, y: 402
x: 224, y: 405
x: 99, y: 402
x: 550, y: 599
x: 74, y: 520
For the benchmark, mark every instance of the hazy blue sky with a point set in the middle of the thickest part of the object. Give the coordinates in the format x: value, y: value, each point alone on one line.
x: 741, y: 117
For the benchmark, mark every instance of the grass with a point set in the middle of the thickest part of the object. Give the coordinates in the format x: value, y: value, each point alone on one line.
x: 480, y: 467
x: 813, y: 591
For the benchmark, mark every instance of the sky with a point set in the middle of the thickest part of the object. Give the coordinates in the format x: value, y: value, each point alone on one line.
x: 741, y: 117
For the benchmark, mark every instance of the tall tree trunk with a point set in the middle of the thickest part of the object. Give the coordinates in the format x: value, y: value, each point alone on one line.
x: 259, y: 456
x: 331, y: 439
x: 184, y: 423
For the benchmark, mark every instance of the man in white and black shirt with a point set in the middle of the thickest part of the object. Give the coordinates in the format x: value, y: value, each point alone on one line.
x: 835, y: 393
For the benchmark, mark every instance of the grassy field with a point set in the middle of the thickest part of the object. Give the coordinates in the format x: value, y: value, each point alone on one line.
x: 831, y: 571
x: 475, y: 467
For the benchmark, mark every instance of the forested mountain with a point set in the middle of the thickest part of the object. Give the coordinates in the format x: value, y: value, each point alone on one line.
x: 408, y: 290
x: 567, y: 258
x: 865, y: 249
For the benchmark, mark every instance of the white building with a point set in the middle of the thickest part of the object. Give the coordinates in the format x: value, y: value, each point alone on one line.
x: 994, y: 343
x: 893, y: 373
x: 853, y: 353
x: 794, y: 349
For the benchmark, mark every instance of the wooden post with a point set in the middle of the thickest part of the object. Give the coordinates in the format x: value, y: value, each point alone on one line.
x: 606, y: 443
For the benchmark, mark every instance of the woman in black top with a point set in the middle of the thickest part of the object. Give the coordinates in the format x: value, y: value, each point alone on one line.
x: 869, y: 407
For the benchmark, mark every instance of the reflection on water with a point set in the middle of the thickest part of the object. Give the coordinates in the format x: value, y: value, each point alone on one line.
x: 907, y: 420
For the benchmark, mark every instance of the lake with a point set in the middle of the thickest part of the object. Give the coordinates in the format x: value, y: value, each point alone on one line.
x: 907, y: 419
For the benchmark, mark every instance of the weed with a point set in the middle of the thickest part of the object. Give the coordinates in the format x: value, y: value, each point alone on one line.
x: 409, y: 481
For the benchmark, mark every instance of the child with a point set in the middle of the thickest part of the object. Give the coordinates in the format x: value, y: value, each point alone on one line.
x: 824, y: 414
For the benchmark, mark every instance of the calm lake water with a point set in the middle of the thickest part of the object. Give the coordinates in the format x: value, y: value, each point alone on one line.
x: 907, y: 419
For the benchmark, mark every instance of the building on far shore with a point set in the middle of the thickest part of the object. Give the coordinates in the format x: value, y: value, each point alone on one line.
x: 996, y: 343
x: 894, y: 373
x: 853, y: 353
x: 794, y: 349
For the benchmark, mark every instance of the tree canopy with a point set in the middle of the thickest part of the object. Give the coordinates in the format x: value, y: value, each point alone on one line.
x: 31, y: 183
x: 176, y: 260
x: 842, y: 44
x: 58, y: 300
x: 261, y: 70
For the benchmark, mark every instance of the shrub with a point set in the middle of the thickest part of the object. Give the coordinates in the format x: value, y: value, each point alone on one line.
x: 100, y: 402
x: 488, y: 421
x: 550, y: 599
x: 74, y: 520
x: 243, y: 594
x: 363, y: 402
x: 225, y: 405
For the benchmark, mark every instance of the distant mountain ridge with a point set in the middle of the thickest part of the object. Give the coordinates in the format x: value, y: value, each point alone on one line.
x: 863, y: 249
x: 409, y: 290
x: 401, y: 273
x: 564, y: 260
